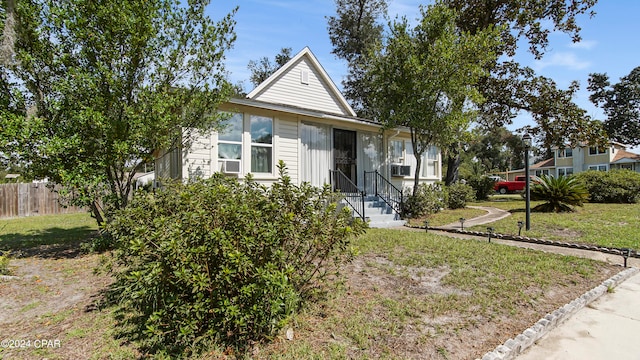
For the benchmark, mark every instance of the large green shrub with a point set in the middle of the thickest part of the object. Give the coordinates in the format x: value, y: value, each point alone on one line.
x: 559, y: 193
x: 482, y: 186
x: 428, y: 199
x: 222, y: 260
x: 458, y: 194
x: 615, y: 186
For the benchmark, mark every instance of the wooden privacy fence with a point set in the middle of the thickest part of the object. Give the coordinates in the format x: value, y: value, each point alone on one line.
x: 18, y: 200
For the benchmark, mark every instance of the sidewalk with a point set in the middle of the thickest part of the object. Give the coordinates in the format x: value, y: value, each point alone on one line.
x: 608, y: 328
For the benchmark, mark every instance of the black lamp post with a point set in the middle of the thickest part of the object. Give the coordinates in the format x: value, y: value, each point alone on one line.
x: 526, y: 139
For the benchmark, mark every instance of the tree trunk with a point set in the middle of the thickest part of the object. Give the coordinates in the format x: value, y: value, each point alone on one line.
x: 453, y: 165
x: 416, y: 175
x: 96, y: 213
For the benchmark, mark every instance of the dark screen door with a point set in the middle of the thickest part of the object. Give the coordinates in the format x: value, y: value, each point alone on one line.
x: 344, y: 153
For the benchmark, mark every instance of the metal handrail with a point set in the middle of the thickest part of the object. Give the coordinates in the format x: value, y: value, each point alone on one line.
x: 353, y: 195
x: 386, y: 191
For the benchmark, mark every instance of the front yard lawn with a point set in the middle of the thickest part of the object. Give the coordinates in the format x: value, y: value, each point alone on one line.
x: 406, y: 295
x: 610, y: 225
x: 411, y: 295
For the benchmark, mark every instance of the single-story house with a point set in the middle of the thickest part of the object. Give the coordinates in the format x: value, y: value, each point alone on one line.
x: 298, y: 115
x: 573, y: 160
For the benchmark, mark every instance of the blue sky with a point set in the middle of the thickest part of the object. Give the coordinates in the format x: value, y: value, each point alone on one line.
x: 609, y: 40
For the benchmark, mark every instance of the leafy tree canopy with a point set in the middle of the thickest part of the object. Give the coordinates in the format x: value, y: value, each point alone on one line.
x: 496, y: 150
x: 354, y: 32
x: 512, y: 88
x: 424, y: 78
x: 263, y: 68
x: 94, y: 88
x: 621, y: 104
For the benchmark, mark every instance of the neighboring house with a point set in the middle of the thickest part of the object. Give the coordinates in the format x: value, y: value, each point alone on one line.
x: 567, y: 161
x: 299, y: 116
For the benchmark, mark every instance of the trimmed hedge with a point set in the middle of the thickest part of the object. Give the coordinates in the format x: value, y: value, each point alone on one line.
x: 615, y: 186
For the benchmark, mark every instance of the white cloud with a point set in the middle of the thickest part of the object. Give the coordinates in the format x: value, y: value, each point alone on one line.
x: 584, y: 44
x: 562, y: 59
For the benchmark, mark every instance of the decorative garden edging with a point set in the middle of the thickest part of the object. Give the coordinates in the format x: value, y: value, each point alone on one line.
x: 511, y: 348
x: 614, y: 251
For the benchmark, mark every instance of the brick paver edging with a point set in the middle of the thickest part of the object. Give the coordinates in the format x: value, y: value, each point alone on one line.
x: 614, y: 251
x: 513, y: 347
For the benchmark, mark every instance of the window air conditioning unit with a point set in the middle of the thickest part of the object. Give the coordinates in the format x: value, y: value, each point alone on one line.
x: 230, y: 166
x: 400, y: 170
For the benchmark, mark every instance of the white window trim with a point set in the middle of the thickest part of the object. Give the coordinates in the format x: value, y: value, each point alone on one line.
x: 597, y: 167
x: 246, y: 145
x: 564, y: 153
x: 565, y: 170
x: 247, y: 149
x: 216, y: 140
x: 597, y: 151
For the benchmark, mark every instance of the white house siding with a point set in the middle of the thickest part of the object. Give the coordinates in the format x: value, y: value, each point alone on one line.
x: 407, y: 182
x: 286, y: 142
x: 196, y: 162
x: 289, y: 90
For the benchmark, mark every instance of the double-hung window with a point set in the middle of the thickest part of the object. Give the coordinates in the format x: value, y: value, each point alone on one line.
x: 396, y: 151
x: 565, y: 171
x: 230, y: 138
x: 601, y: 167
x: 596, y: 150
x: 261, y: 129
x: 430, y: 162
x: 567, y: 152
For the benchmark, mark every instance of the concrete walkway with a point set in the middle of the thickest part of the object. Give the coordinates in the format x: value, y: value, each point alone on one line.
x: 607, y: 328
x: 492, y: 215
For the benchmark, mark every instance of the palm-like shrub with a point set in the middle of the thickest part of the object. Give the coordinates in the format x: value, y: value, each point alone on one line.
x: 560, y: 193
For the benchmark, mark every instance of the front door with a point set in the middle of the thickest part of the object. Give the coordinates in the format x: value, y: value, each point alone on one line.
x: 344, y: 153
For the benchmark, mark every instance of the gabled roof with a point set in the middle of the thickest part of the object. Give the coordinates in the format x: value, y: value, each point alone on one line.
x: 544, y: 164
x: 278, y: 89
x: 625, y: 156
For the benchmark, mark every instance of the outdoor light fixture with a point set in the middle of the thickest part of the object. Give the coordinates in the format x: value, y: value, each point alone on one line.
x: 626, y: 252
x: 490, y: 232
x: 526, y: 140
x: 520, y: 225
x: 426, y: 226
x: 462, y: 223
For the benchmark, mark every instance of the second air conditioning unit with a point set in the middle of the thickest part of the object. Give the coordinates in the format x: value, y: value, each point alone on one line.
x: 399, y: 170
x: 230, y: 166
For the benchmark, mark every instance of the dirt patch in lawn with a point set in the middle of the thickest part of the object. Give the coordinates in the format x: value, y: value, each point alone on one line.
x: 378, y: 309
x: 48, y: 310
x: 383, y: 310
x: 568, y: 234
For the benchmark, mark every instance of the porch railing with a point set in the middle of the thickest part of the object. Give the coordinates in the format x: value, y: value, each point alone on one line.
x: 352, y: 194
x: 385, y: 190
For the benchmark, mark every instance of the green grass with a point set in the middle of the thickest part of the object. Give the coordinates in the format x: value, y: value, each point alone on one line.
x: 506, y: 271
x: 4, y: 264
x: 31, y: 232
x: 447, y: 216
x: 480, y: 283
x: 610, y: 225
x: 477, y: 284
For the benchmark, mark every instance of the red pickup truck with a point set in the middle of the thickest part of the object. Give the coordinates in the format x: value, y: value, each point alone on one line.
x: 518, y: 184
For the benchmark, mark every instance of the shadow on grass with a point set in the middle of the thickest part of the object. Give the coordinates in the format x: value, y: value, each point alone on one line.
x: 52, y: 243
